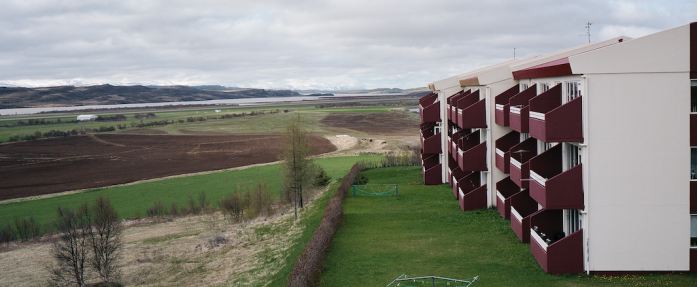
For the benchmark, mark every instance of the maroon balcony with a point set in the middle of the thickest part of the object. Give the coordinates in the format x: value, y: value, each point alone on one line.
x: 505, y: 190
x: 518, y: 162
x: 563, y: 254
x: 550, y: 186
x: 475, y: 115
x: 430, y: 108
x: 452, y: 165
x: 454, y: 142
x: 551, y: 121
x: 502, y: 150
x: 501, y: 113
x: 693, y: 197
x: 478, y: 118
x: 454, y: 101
x: 693, y: 129
x: 431, y: 143
x: 522, y: 208
x: 518, y: 109
x: 456, y: 175
x: 472, y: 154
x: 431, y: 169
x: 471, y: 195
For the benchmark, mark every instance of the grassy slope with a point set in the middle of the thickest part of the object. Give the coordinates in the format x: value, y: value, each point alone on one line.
x: 131, y: 199
x: 424, y: 233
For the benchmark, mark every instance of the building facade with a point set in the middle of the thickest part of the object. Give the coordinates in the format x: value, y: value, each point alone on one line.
x: 589, y: 151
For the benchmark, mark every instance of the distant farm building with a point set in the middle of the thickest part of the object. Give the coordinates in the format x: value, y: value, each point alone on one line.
x: 87, y: 117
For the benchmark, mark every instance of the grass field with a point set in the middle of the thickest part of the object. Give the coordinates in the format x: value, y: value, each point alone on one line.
x: 133, y: 199
x: 424, y: 233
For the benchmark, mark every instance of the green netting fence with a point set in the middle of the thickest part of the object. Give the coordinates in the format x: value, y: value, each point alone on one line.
x: 407, y: 281
x: 374, y: 190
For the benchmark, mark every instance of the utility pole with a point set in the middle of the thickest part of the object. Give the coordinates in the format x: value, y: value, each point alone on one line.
x: 588, y: 26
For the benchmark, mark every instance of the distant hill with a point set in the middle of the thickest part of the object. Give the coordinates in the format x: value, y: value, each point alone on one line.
x: 17, y: 97
x: 367, y: 91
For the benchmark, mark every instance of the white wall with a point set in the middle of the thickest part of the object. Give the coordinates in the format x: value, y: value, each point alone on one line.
x: 638, y: 171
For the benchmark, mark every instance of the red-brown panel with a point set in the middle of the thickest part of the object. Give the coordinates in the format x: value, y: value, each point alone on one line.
x: 475, y: 116
x: 693, y: 129
x: 693, y: 197
x: 474, y: 200
x: 560, y: 67
x: 505, y: 190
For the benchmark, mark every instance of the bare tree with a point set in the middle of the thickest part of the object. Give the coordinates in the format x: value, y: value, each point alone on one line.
x: 297, y: 167
x: 105, y: 239
x: 71, y: 250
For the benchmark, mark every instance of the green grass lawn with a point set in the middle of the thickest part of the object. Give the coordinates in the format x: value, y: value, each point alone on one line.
x: 424, y: 233
x: 132, y: 199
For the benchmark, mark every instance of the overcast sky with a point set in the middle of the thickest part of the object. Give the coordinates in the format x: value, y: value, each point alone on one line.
x: 299, y: 43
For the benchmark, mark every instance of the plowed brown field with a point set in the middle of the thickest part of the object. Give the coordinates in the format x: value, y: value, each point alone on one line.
x: 386, y: 124
x: 78, y: 162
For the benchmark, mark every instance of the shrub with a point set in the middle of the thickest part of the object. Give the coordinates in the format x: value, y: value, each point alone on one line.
x: 232, y: 207
x: 322, y: 179
x: 157, y: 209
x: 307, y: 269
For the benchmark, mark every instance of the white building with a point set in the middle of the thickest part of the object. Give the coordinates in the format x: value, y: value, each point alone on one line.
x: 586, y: 150
x: 87, y: 117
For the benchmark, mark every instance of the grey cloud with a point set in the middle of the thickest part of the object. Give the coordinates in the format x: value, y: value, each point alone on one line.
x: 299, y: 43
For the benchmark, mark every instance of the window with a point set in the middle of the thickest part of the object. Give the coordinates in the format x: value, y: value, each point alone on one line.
x: 693, y: 163
x: 543, y: 87
x: 574, y: 221
x: 543, y: 146
x: 523, y: 87
x: 572, y: 90
x: 525, y: 136
x: 693, y: 96
x: 574, y: 156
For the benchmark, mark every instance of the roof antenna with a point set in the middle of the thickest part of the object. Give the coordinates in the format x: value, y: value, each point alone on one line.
x: 588, y: 33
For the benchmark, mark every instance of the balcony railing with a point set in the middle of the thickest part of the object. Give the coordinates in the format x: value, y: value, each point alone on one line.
x: 502, y: 149
x: 463, y: 104
x: 505, y: 190
x: 430, y: 108
x: 474, y: 115
x: 430, y: 143
x: 522, y: 208
x: 472, y: 154
x: 551, y: 187
x: 501, y: 113
x: 521, y: 153
x: 454, y: 104
x: 551, y: 121
x: 693, y: 129
x: 472, y: 195
x: 556, y: 253
x: 456, y: 175
x: 454, y: 142
x: 518, y: 109
x: 431, y: 169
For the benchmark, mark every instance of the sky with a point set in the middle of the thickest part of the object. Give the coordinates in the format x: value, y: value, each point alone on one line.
x: 300, y: 44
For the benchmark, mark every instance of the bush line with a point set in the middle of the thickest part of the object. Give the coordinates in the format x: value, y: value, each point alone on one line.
x: 307, y: 269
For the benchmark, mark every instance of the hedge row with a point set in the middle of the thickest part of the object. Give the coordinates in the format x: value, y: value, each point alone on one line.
x: 306, y: 272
